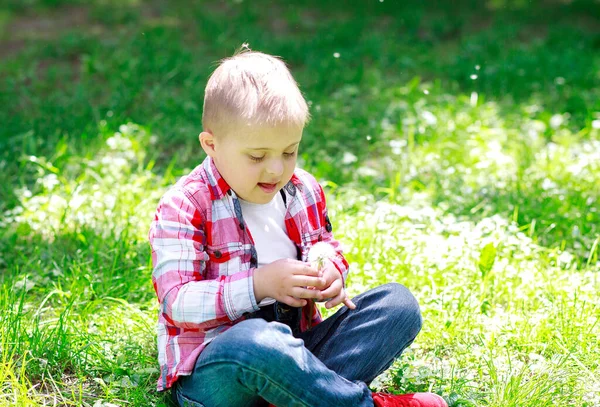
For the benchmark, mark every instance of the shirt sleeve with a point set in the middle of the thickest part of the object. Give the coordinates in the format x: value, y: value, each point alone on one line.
x: 339, y: 260
x: 187, y: 300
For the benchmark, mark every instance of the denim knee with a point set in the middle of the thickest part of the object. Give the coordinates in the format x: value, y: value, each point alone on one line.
x: 403, y: 308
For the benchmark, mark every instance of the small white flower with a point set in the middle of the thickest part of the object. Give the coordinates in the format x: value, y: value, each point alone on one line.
x: 49, y: 181
x: 349, y: 158
x: 320, y: 252
x: 397, y: 146
x: 429, y: 118
x: 474, y: 97
x: 565, y: 258
x: 548, y: 184
x: 366, y: 172
x: 556, y: 121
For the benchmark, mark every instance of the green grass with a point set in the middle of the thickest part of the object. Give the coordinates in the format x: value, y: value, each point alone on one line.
x: 460, y: 147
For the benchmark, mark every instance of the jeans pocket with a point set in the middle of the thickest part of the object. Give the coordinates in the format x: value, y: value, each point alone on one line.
x: 186, y: 402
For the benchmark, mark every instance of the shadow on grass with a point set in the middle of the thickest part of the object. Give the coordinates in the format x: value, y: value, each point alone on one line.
x: 151, y: 68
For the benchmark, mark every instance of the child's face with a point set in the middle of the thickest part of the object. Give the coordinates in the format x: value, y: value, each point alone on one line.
x: 256, y: 162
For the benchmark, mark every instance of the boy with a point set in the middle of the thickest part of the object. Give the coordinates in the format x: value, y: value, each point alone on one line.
x: 237, y: 323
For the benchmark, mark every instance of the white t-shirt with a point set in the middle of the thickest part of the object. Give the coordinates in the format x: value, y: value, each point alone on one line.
x: 267, y: 225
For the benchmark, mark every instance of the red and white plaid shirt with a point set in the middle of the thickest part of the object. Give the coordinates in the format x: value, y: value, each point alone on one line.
x: 204, y: 260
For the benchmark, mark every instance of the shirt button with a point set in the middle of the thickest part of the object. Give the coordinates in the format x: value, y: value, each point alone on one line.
x: 320, y: 238
x: 328, y: 227
x: 218, y: 254
x: 242, y: 226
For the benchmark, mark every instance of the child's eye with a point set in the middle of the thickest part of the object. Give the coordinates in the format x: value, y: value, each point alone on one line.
x: 257, y: 159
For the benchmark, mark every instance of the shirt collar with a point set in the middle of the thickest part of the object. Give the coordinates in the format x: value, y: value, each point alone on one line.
x: 218, y: 187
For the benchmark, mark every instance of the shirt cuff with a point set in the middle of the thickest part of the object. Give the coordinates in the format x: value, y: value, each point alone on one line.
x: 255, y: 306
x: 338, y: 262
x: 239, y: 294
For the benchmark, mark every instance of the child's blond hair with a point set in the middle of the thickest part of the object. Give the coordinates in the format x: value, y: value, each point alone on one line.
x: 252, y: 89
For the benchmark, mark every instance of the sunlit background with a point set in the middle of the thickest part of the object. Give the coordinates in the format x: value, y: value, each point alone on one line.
x: 459, y: 144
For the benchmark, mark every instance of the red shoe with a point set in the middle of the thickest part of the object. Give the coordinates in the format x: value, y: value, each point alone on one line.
x: 408, y: 400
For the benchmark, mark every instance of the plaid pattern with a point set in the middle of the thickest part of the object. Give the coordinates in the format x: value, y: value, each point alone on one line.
x: 204, y: 260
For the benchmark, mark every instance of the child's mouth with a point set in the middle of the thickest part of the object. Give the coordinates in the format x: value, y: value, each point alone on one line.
x: 268, y: 188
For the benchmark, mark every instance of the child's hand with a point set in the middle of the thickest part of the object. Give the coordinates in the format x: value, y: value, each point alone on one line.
x: 287, y: 280
x: 335, y: 287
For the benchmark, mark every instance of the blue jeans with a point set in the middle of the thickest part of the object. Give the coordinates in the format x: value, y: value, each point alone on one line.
x: 329, y: 365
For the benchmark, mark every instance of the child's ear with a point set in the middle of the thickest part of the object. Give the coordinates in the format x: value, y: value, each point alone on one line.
x: 207, y: 141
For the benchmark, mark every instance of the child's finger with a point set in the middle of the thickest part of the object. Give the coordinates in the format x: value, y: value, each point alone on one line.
x: 348, y: 303
x: 333, y: 290
x: 294, y: 302
x: 299, y: 292
x: 306, y: 270
x: 334, y: 302
x: 307, y: 281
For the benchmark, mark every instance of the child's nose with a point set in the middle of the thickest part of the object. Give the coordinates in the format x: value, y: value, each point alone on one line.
x: 275, y: 167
